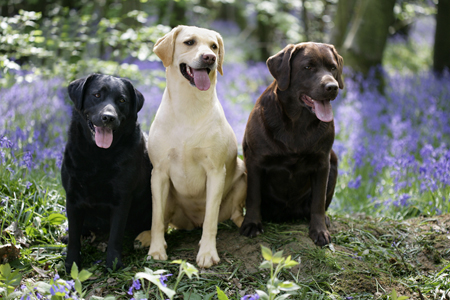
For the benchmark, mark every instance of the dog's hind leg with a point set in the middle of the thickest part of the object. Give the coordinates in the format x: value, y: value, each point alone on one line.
x: 143, y: 240
x: 238, y: 195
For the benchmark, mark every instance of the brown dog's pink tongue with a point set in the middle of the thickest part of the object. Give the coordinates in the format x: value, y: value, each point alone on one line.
x: 323, y: 110
x: 103, y: 137
x: 201, y: 79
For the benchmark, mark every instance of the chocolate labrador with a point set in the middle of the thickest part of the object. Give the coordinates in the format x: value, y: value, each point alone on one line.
x: 291, y: 167
x: 106, y: 170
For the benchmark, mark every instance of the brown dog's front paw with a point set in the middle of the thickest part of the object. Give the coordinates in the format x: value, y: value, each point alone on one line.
x: 251, y: 229
x: 320, y: 237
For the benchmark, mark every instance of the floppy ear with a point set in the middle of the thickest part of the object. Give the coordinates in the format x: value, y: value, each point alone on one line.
x: 340, y: 67
x: 221, y: 54
x: 76, y: 90
x: 138, y: 97
x: 280, y: 66
x: 165, y: 46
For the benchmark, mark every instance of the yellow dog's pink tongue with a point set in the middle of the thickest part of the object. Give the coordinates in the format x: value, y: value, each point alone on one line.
x: 201, y: 79
x: 103, y: 137
x: 323, y: 110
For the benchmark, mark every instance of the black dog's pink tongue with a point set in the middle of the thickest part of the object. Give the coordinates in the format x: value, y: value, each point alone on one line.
x: 201, y: 79
x: 103, y: 137
x: 323, y: 110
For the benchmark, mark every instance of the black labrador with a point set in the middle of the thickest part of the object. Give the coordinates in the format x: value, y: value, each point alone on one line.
x: 291, y: 167
x: 106, y: 169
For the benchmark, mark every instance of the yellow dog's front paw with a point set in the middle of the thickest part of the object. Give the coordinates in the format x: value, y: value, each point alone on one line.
x: 143, y: 240
x: 157, y: 252
x: 207, y: 259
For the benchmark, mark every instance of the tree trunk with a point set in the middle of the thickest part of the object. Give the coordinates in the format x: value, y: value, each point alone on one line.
x: 345, y: 9
x: 364, y: 39
x: 441, y: 58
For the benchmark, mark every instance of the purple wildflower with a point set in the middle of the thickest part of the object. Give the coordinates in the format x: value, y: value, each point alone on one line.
x: 136, y: 284
x: 163, y: 278
x: 250, y: 297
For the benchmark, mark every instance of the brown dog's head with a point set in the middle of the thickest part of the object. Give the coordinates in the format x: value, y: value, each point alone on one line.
x: 196, y: 52
x: 311, y: 73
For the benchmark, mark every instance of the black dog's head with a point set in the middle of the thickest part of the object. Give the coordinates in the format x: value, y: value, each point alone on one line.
x: 107, y: 104
x: 311, y: 73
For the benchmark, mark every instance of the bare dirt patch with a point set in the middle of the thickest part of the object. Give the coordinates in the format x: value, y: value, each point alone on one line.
x: 368, y: 256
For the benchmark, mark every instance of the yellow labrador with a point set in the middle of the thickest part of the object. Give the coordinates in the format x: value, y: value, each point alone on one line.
x: 197, y: 178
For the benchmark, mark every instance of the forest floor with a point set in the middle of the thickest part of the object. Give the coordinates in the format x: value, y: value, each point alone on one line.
x: 367, y: 259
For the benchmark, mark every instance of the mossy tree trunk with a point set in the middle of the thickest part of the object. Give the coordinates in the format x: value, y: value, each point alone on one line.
x: 441, y: 58
x: 362, y: 29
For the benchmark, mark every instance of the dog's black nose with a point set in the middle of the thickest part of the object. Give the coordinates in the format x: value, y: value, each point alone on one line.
x: 107, y: 118
x: 209, y: 58
x: 331, y: 87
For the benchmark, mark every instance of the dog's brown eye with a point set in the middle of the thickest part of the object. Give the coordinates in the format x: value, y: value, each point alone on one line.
x: 308, y: 67
x: 190, y: 42
x: 122, y: 100
x: 97, y: 95
x: 214, y: 46
x: 333, y: 68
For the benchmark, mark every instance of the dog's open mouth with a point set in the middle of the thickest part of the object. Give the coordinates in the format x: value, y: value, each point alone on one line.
x: 322, y: 108
x: 197, y: 77
x: 103, y: 135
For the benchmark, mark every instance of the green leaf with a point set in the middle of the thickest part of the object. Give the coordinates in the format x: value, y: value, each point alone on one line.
x: 265, y: 265
x: 393, y: 294
x: 154, y: 278
x: 266, y: 253
x: 78, y: 287
x: 220, y: 294
x: 56, y: 219
x: 190, y: 270
x: 84, y: 275
x: 5, y: 270
x: 278, y: 257
x: 288, y: 286
x: 289, y: 263
x: 74, y: 271
x: 262, y: 295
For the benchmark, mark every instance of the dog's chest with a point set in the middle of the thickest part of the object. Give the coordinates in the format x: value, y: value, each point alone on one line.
x: 187, y: 171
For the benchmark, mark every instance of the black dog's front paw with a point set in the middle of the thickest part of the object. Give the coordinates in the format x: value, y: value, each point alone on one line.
x: 114, y: 261
x: 251, y: 229
x: 320, y: 237
x: 69, y: 263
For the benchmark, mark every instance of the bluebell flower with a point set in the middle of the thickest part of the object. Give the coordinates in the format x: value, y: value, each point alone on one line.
x: 136, y: 284
x: 163, y: 278
x: 71, y: 284
x: 355, y: 184
x: 250, y: 297
x: 130, y: 291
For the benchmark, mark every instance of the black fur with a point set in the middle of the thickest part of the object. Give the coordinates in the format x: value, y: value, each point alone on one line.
x: 108, y: 190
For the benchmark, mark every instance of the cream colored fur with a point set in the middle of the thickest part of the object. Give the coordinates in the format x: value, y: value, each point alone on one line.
x: 197, y: 178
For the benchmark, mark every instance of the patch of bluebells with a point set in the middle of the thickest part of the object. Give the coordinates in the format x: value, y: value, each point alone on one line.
x: 58, y: 288
x: 33, y: 123
x: 396, y: 142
